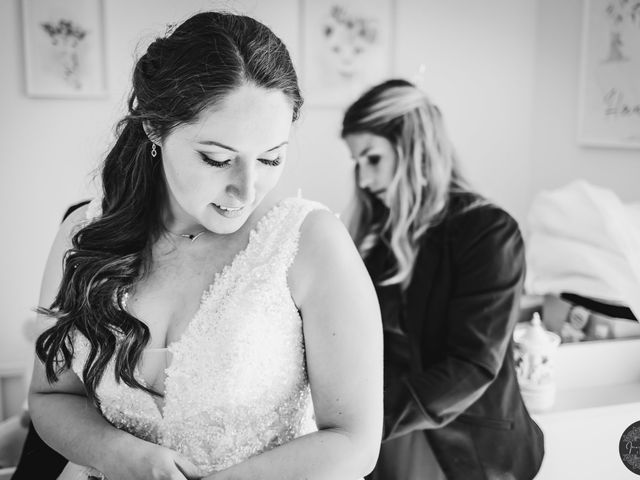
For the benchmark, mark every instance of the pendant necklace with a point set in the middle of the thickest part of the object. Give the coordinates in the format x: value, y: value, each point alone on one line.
x: 189, y: 236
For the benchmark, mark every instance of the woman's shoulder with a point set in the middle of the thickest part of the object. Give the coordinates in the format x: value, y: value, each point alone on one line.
x: 297, y: 225
x: 320, y: 230
x: 319, y: 224
x: 72, y: 208
x: 293, y: 214
x: 94, y: 209
x: 471, y: 213
x: 325, y: 254
x: 82, y: 212
x: 478, y: 228
x: 302, y: 205
x: 75, y: 218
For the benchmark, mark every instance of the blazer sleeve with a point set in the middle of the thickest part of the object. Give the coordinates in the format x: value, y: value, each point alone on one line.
x: 487, y: 258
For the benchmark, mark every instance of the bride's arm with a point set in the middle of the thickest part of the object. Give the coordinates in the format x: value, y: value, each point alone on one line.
x: 66, y: 419
x: 69, y: 423
x: 61, y: 413
x: 343, y: 341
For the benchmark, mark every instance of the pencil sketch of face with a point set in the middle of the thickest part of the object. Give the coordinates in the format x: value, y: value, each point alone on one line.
x: 348, y: 40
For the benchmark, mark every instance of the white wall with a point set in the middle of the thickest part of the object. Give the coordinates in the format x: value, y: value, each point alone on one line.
x: 557, y: 158
x: 480, y: 70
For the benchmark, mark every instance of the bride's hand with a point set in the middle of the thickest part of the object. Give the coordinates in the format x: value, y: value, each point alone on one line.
x: 147, y: 461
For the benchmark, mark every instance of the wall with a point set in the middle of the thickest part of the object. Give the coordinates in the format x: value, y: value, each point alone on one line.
x: 557, y: 158
x: 480, y: 70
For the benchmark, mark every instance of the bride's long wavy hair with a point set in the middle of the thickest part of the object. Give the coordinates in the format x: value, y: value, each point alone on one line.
x: 179, y: 76
x: 426, y: 173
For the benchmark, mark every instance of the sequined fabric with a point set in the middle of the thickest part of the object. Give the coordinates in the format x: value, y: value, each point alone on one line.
x: 237, y: 383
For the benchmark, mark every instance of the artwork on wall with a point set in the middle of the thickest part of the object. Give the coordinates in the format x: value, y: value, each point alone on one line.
x: 347, y: 46
x: 610, y: 74
x: 64, y: 48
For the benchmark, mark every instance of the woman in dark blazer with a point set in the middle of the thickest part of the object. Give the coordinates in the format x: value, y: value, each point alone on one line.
x: 448, y: 267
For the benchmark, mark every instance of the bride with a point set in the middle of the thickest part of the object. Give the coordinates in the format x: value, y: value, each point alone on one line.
x: 205, y: 328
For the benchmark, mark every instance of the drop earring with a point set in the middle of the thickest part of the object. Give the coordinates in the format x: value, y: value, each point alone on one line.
x: 154, y: 152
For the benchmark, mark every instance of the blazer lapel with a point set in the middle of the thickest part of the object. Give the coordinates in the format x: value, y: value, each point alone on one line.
x: 417, y: 298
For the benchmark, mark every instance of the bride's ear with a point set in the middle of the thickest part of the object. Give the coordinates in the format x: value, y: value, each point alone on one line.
x: 151, y: 134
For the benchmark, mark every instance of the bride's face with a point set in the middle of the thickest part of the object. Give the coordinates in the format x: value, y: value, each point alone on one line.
x: 219, y: 168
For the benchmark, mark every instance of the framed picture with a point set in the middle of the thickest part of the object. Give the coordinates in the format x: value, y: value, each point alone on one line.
x: 64, y: 48
x: 609, y: 102
x: 347, y: 46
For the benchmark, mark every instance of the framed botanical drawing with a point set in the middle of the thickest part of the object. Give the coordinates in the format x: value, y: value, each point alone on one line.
x: 609, y: 103
x: 64, y: 47
x: 347, y: 46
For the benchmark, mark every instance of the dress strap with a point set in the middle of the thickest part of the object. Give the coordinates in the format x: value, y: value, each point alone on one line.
x: 94, y: 209
x: 285, y: 231
x: 298, y: 211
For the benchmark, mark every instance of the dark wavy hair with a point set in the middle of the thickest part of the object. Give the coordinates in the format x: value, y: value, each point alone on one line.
x: 202, y: 61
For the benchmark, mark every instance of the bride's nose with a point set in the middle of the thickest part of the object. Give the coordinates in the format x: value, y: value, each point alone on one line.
x: 242, y: 184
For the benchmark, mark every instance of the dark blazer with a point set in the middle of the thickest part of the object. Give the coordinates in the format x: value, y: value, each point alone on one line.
x: 458, y: 314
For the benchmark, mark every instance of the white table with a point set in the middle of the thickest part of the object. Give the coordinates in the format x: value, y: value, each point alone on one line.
x: 598, y: 398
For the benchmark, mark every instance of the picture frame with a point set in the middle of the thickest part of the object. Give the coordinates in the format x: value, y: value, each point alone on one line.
x: 609, y: 85
x: 64, y: 48
x: 347, y: 46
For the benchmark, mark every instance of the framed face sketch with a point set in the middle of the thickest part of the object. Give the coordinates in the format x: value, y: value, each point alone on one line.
x: 347, y: 46
x: 64, y: 48
x: 610, y: 74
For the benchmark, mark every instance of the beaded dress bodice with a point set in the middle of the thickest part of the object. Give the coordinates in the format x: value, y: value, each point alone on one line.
x: 237, y: 383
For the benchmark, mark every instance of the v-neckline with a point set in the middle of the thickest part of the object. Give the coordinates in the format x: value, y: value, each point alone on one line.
x: 220, y: 276
x: 207, y: 293
x: 160, y: 408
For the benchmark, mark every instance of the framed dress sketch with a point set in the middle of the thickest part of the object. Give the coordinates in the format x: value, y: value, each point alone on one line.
x: 609, y: 101
x: 347, y: 46
x: 64, y: 47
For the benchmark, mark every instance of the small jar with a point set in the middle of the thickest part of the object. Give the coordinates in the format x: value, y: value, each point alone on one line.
x: 534, y: 352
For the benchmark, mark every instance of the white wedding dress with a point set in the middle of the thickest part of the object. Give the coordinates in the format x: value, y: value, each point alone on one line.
x: 236, y: 384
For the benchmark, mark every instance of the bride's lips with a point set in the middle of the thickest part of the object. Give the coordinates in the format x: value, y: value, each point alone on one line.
x: 228, y: 212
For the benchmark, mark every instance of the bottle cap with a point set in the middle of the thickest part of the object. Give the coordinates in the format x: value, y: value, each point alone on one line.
x: 536, y: 337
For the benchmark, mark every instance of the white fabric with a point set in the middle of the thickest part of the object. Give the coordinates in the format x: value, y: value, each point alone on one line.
x: 584, y: 240
x: 237, y: 383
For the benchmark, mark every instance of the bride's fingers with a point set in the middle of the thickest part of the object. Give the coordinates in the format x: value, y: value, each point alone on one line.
x: 188, y: 469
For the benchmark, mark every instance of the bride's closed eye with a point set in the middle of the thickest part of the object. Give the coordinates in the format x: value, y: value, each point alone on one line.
x: 272, y: 162
x: 215, y: 163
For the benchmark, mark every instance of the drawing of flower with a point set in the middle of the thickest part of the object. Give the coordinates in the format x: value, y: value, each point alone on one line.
x: 621, y: 14
x: 66, y: 38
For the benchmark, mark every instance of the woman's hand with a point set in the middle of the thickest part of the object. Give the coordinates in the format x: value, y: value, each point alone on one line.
x: 139, y: 460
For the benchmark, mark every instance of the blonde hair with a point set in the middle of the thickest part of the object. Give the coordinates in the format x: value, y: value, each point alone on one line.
x: 426, y: 173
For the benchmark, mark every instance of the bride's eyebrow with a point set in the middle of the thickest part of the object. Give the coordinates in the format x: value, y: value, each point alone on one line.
x: 276, y: 147
x: 217, y: 144
x: 221, y: 145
